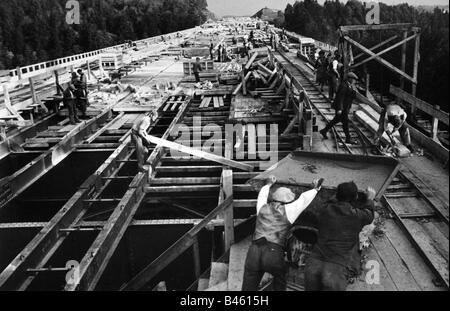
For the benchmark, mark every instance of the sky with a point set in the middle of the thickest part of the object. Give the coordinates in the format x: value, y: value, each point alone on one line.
x: 250, y: 7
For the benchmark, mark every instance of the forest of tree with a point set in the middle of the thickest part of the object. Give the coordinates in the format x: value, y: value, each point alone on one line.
x: 33, y: 31
x: 321, y: 22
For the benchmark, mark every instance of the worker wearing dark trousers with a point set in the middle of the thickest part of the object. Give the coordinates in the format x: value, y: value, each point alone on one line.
x: 342, y: 104
x: 274, y: 220
x: 211, y: 51
x: 69, y: 101
x: 219, y: 53
x: 395, y: 115
x: 197, y: 68
x: 140, y: 138
x: 335, y: 257
x: 82, y: 94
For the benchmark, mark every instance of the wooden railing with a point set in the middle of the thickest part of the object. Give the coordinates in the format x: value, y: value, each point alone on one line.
x: 304, y: 109
x: 25, y: 72
x: 436, y: 114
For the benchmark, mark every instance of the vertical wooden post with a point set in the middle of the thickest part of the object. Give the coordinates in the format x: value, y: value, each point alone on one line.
x: 88, y: 70
x: 19, y: 73
x: 227, y: 189
x: 345, y: 58
x: 196, y: 254
x: 403, y: 65
x: 367, y: 84
x: 58, y: 91
x: 415, y: 70
x: 244, y: 86
x: 33, y: 91
x: 435, y: 127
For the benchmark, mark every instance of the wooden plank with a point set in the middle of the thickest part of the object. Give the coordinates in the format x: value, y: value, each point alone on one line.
x: 429, y: 248
x: 199, y: 153
x: 399, y: 273
x: 251, y: 135
x: 251, y: 60
x: 397, y: 26
x: 221, y: 103
x: 420, y: 104
x: 415, y: 264
x: 216, y: 102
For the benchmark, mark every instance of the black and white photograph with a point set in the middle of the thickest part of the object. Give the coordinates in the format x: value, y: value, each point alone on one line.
x: 215, y: 153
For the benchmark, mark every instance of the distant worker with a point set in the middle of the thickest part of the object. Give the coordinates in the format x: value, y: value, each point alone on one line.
x: 342, y: 105
x: 211, y: 51
x: 82, y: 94
x: 219, y: 53
x: 274, y: 220
x: 140, y: 137
x: 321, y: 69
x: 395, y: 115
x: 69, y: 101
x: 334, y: 73
x: 335, y: 256
x: 197, y: 67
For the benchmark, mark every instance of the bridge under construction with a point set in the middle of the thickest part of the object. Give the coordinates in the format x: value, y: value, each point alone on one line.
x: 77, y: 214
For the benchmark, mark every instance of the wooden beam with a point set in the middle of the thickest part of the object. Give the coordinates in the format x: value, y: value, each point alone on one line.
x: 251, y: 60
x: 173, y: 252
x: 399, y: 26
x: 420, y: 104
x: 199, y: 153
x: 376, y: 46
x: 379, y: 59
x: 378, y: 54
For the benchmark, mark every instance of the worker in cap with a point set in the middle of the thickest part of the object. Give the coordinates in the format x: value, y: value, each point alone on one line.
x: 335, y: 256
x: 139, y: 133
x: 395, y: 115
x: 275, y: 216
x: 69, y: 101
x: 342, y: 105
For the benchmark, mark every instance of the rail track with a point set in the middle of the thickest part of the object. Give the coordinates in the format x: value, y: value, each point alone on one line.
x: 421, y: 214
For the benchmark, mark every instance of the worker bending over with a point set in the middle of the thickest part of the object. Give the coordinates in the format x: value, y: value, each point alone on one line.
x: 342, y: 104
x: 140, y: 137
x: 336, y: 253
x: 274, y: 220
x: 395, y: 115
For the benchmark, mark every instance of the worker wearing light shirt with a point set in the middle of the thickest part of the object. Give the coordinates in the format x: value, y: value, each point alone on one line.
x: 275, y: 217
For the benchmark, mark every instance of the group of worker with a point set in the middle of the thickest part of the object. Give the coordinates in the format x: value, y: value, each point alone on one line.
x: 343, y: 90
x: 75, y: 96
x: 336, y: 252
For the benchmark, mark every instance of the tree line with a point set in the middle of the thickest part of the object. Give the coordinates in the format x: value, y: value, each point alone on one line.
x: 33, y: 31
x: 321, y: 22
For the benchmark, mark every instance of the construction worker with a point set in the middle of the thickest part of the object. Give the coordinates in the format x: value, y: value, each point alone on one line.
x: 140, y: 137
x: 219, y: 53
x: 342, y: 104
x: 395, y: 115
x: 321, y: 69
x: 335, y: 75
x: 81, y: 93
x: 211, y: 51
x: 197, y: 67
x: 335, y: 256
x: 274, y: 220
x: 69, y: 101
